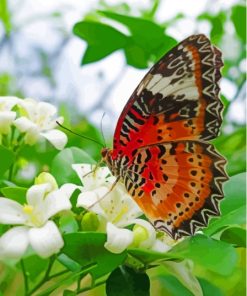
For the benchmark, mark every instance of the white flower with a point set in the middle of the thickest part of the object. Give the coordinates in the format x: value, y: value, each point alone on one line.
x: 7, y: 116
x: 103, y: 197
x: 116, y: 210
x: 44, y: 200
x: 38, y: 120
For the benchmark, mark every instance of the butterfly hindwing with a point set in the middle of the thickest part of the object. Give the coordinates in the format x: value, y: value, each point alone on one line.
x: 177, y: 184
x: 177, y: 99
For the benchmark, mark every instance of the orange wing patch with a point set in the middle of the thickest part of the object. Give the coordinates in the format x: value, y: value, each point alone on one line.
x: 177, y: 185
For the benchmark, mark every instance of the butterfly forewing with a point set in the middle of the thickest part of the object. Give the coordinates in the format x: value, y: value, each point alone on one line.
x: 177, y: 99
x: 160, y: 149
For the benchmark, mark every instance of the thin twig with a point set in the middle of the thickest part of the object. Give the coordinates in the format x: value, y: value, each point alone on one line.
x: 25, y: 277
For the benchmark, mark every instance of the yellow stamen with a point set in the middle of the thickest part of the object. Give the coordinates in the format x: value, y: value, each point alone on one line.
x: 120, y: 214
x: 27, y: 209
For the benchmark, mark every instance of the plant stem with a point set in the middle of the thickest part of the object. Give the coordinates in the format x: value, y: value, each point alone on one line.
x: 58, y: 273
x: 25, y: 277
x: 91, y: 287
x: 11, y: 170
x: 45, y: 278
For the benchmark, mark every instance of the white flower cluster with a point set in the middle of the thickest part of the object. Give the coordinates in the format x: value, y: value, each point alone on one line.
x: 33, y: 119
x: 106, y: 202
x: 33, y: 227
x: 116, y: 210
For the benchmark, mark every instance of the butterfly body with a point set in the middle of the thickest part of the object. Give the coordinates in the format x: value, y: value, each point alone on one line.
x: 160, y: 146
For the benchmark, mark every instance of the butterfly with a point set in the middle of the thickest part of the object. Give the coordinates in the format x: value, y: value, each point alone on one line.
x: 161, y: 150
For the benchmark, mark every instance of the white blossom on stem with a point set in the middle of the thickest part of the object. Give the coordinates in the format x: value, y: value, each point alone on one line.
x: 37, y: 120
x: 7, y: 115
x: 116, y: 210
x: 34, y: 227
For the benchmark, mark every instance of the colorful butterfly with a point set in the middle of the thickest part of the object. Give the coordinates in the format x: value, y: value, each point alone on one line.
x: 161, y: 149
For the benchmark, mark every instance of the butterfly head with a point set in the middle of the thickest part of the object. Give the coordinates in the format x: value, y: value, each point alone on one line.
x: 107, y: 157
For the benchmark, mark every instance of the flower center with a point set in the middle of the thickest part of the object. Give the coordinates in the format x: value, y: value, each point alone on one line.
x: 34, y: 218
x: 120, y: 214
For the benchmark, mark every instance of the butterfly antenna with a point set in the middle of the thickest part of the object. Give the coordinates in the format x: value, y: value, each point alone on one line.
x: 101, y: 129
x: 84, y: 137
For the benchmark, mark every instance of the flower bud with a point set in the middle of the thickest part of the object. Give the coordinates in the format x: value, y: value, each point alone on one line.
x: 46, y: 178
x: 89, y: 222
x: 140, y: 235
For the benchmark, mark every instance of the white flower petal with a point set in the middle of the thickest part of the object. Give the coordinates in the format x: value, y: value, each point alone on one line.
x: 89, y: 200
x: 8, y: 102
x: 69, y: 189
x: 55, y: 202
x: 117, y: 239
x: 46, y: 110
x: 57, y: 138
x: 151, y: 233
x: 46, y: 240
x: 91, y: 178
x: 6, y: 119
x: 14, y: 243
x: 82, y: 170
x: 35, y: 194
x: 24, y: 124
x: 11, y: 212
x: 160, y: 246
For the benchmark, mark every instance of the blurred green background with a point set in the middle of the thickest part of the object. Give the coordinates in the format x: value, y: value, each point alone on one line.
x: 86, y: 57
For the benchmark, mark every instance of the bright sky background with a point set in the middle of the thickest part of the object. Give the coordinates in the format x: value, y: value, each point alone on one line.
x: 83, y: 84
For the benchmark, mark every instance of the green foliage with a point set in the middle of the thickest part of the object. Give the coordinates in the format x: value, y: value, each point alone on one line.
x: 212, y: 254
x: 239, y: 20
x: 15, y: 193
x: 233, y: 206
x: 102, y: 40
x: 146, y: 42
x: 6, y: 159
x: 62, y: 164
x: 125, y: 281
x: 235, y: 236
x: 87, y: 248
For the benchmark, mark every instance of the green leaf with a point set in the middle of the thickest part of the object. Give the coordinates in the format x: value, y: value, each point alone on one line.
x: 183, y: 271
x: 6, y: 159
x: 171, y: 286
x: 239, y: 20
x: 69, y: 263
x: 5, y: 16
x: 236, y: 142
x: 124, y: 281
x: 235, y: 217
x: 235, y: 193
x: 68, y: 223
x: 209, y: 289
x: 147, y: 41
x: 102, y: 40
x: 61, y: 166
x: 232, y: 206
x: 35, y: 265
x: 148, y: 256
x: 146, y: 33
x: 214, y: 255
x: 235, y: 236
x: 16, y: 193
x: 217, y: 25
x: 88, y: 248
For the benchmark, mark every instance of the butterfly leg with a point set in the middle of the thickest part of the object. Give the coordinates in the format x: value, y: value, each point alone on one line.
x: 94, y: 169
x: 105, y: 195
